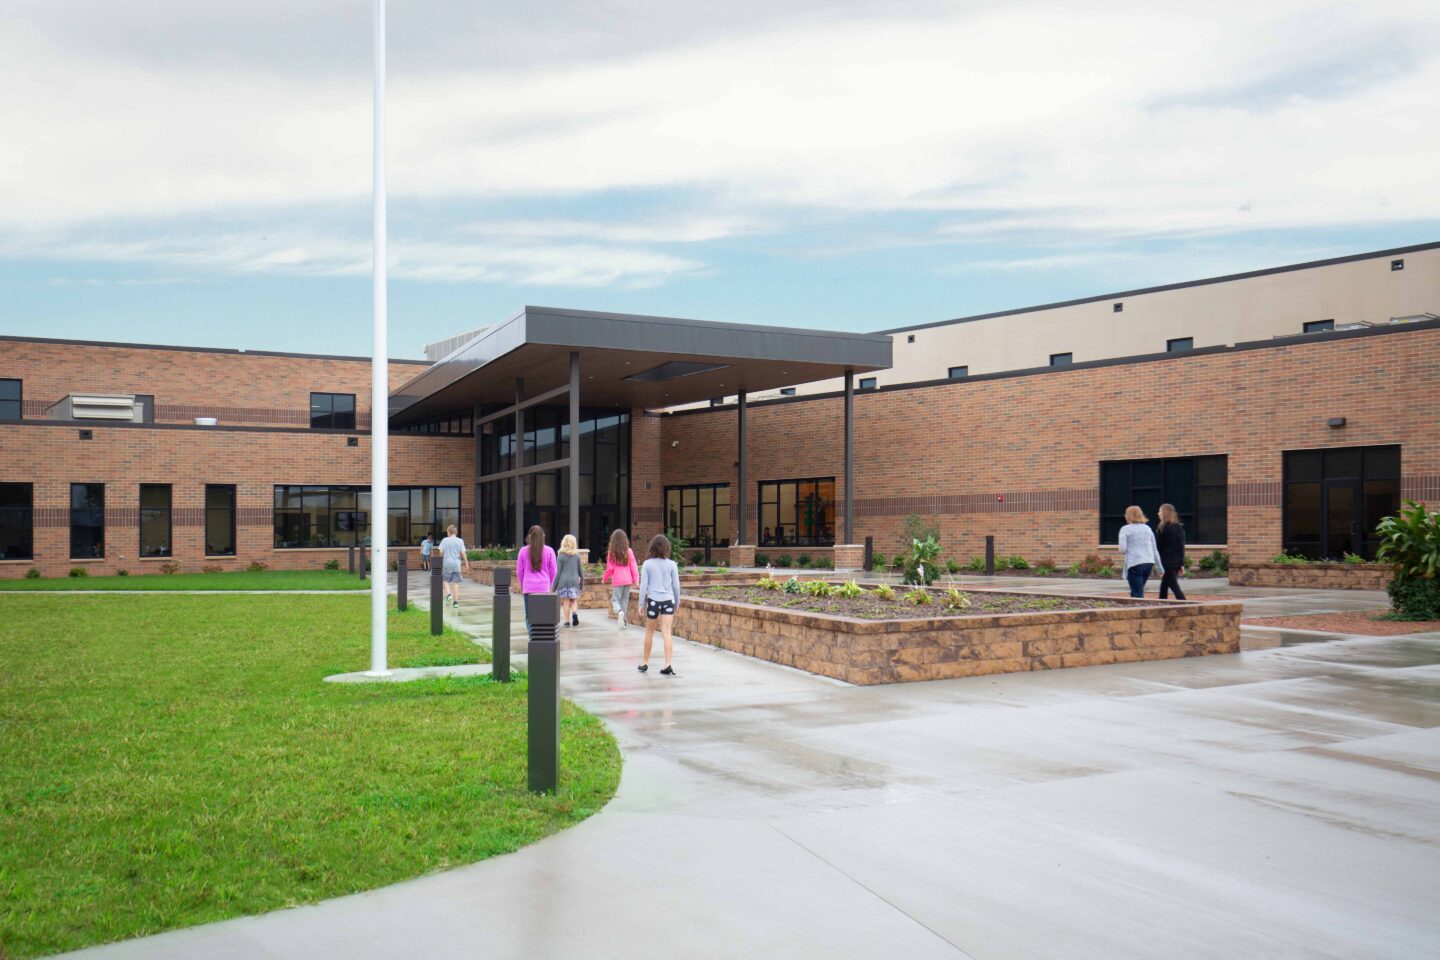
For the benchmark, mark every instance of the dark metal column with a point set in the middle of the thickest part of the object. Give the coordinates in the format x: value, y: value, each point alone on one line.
x: 475, y: 432
x: 849, y: 456
x: 402, y: 580
x: 517, y: 461
x: 740, y: 496
x: 574, y: 450
x: 437, y: 598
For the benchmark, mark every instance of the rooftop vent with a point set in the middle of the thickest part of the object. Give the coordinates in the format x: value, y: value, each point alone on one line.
x: 97, y: 407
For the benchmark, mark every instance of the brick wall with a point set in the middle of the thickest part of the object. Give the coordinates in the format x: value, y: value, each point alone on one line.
x: 1018, y: 457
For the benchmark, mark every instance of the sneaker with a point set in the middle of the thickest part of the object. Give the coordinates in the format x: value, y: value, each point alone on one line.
x: 643, y: 667
x: 669, y: 672
x: 619, y: 623
x: 574, y: 619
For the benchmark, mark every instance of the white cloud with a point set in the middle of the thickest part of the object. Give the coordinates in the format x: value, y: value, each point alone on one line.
x: 1125, y: 119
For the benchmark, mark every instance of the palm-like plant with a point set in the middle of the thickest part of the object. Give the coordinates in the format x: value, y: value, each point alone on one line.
x: 1410, y: 541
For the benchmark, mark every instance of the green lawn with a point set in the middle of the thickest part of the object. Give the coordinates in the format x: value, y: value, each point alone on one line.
x: 168, y: 761
x: 239, y: 580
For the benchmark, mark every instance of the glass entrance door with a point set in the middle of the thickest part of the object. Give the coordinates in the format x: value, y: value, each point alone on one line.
x: 1342, y: 518
x: 1334, y: 498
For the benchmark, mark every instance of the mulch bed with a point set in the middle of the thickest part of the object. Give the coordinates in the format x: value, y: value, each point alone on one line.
x: 870, y: 607
x: 1355, y: 621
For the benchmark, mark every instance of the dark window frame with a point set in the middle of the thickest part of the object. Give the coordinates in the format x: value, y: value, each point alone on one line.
x: 868, y: 383
x: 168, y: 550
x: 1397, y: 265
x: 230, y: 512
x: 1317, y: 326
x: 684, y: 529
x: 329, y: 418
x: 19, y: 399
x: 1118, y: 307
x: 23, y: 526
x: 787, y: 391
x: 1321, y: 484
x: 1062, y: 359
x: 1179, y: 344
x: 92, y: 525
x: 358, y: 526
x: 1198, y: 529
x: 950, y: 374
x: 815, y: 539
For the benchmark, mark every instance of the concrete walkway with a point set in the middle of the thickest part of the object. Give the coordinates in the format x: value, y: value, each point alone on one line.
x: 1278, y: 803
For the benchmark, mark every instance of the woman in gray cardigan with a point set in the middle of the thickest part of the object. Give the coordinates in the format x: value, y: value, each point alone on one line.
x: 659, y: 596
x: 569, y: 580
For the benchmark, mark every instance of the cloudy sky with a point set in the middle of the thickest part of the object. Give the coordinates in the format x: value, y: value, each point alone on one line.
x: 199, y: 172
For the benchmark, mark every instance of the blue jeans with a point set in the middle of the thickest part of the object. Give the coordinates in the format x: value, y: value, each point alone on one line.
x: 1137, y: 575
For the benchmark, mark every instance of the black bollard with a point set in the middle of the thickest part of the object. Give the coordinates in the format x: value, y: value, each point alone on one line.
x: 351, y: 568
x: 363, y: 562
x: 869, y: 554
x: 989, y: 556
x: 437, y: 601
x: 500, y: 633
x: 402, y: 580
x: 543, y: 611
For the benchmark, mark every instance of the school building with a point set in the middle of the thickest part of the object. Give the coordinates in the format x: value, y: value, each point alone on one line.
x: 1285, y: 409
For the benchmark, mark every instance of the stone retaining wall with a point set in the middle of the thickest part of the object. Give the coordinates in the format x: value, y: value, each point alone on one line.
x: 1311, y: 576
x: 892, y: 651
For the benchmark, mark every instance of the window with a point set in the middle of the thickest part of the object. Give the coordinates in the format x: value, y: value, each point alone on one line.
x: 797, y: 513
x: 219, y: 520
x: 1179, y: 344
x: 910, y: 338
x: 1195, y: 486
x: 87, y: 520
x: 958, y: 373
x: 1397, y: 264
x: 454, y: 424
x: 1061, y: 359
x: 11, y: 397
x: 1319, y: 326
x: 339, y: 516
x: 1117, y: 308
x: 787, y: 391
x: 155, y: 520
x: 700, y: 513
x: 867, y: 383
x: 17, y: 521
x: 1334, y: 498
x: 334, y: 411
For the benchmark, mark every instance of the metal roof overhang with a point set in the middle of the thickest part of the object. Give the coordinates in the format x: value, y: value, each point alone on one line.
x: 631, y: 361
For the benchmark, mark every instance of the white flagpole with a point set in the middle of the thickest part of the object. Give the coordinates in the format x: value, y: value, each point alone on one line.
x: 379, y: 379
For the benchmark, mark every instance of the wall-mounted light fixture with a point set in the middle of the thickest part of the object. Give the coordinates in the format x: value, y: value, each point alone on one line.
x: 1335, y: 423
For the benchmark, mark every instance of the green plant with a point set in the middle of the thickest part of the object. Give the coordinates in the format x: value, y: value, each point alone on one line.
x: 32, y: 574
x: 976, y: 565
x: 678, y: 544
x: 1095, y: 565
x: 919, y: 528
x: 920, y: 597
x: 329, y: 565
x: 768, y: 583
x: 257, y: 565
x: 884, y: 592
x: 784, y: 560
x: 1017, y: 563
x: 79, y: 572
x: 849, y: 589
x: 212, y: 568
x: 723, y: 564
x: 1352, y: 558
x: 1414, y: 598
x: 803, y: 560
x: 923, y: 565
x: 1410, y: 543
x: 897, y: 562
x: 1073, y: 569
x: 823, y: 563
x: 793, y: 585
x: 1215, y: 562
x: 1290, y: 558
x: 818, y: 588
x: 122, y: 572
x: 170, y: 568
x: 762, y: 559
x: 955, y: 600
x: 952, y: 566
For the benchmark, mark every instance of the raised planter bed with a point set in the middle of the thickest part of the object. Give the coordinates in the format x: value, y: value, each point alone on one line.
x: 1311, y: 576
x: 928, y: 643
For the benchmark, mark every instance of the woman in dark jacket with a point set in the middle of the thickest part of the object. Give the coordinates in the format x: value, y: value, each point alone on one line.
x: 1170, y: 538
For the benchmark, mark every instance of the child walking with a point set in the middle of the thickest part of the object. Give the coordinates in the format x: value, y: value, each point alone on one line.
x: 426, y: 546
x: 452, y: 557
x: 621, y: 574
x: 534, y: 567
x: 569, y: 580
x: 659, y: 597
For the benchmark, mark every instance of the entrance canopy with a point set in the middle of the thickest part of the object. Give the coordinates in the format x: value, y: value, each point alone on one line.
x: 629, y: 361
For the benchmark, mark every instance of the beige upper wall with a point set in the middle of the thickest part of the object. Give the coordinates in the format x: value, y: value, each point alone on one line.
x: 1214, y: 314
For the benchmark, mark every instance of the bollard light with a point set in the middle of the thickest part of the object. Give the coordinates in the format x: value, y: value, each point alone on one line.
x: 500, y: 632
x: 437, y: 600
x: 543, y: 612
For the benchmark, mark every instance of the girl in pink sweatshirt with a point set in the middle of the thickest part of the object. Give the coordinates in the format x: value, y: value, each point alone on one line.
x: 535, y: 566
x: 621, y: 574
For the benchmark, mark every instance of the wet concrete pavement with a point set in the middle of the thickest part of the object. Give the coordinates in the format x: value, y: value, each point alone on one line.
x: 1278, y: 803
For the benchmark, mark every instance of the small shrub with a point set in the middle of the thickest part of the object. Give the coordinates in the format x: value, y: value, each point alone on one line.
x: 768, y: 583
x: 471, y: 555
x: 1073, y: 569
x: 1352, y: 558
x: 897, y: 562
x: 955, y: 600
x: 803, y: 560
x: 170, y: 569
x: 79, y: 572
x: 329, y: 565
x: 1215, y: 562
x: 952, y: 566
x: 1289, y: 558
x: 793, y: 585
x: 122, y: 572
x: 1410, y: 543
x: 1017, y: 563
x: 256, y: 566
x: 784, y: 560
x: 823, y: 563
x: 722, y: 564
x: 818, y: 588
x: 920, y: 597
x: 849, y: 589
x: 214, y: 569
x: 697, y: 558
x: 762, y: 559
x: 32, y: 574
x: 1414, y: 598
x: 976, y: 565
x: 884, y: 592
x: 1046, y: 567
x: 1095, y: 565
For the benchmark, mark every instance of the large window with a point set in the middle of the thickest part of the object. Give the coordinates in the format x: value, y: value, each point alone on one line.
x: 460, y: 423
x: 1334, y: 498
x: 219, y: 520
x: 700, y: 513
x: 797, y: 513
x: 1195, y: 486
x: 87, y: 520
x: 17, y: 521
x: 11, y: 399
x: 339, y: 516
x: 335, y: 411
x: 155, y: 520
